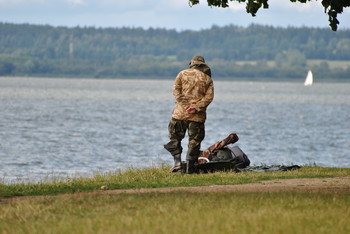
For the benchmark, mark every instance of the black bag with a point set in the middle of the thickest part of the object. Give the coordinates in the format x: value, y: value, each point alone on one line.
x: 228, y: 158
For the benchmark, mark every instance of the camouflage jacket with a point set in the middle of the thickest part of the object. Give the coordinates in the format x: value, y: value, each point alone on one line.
x: 192, y: 86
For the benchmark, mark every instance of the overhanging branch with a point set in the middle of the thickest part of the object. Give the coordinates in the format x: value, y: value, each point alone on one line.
x: 331, y: 7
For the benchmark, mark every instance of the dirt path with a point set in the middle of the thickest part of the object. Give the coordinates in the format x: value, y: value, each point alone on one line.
x: 305, y: 184
x: 337, y: 184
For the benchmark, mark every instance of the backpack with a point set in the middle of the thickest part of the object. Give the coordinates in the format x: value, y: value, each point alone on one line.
x: 226, y: 158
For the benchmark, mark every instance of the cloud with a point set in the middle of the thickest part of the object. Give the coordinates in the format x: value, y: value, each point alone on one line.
x: 16, y: 2
x: 237, y: 6
x: 115, y: 4
x: 75, y: 2
x: 161, y: 13
x: 282, y: 5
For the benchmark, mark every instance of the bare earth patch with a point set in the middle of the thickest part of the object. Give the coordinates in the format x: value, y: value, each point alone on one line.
x: 305, y: 184
x: 336, y: 184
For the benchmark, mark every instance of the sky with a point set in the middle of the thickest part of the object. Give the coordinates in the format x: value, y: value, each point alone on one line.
x: 169, y: 14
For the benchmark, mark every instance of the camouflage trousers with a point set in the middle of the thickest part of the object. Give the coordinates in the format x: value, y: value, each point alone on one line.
x: 177, y: 130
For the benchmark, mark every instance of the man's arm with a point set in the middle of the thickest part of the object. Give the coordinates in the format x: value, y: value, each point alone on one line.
x: 177, y: 92
x: 207, y: 99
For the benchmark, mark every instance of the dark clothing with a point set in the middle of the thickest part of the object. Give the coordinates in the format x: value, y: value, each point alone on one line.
x: 202, y: 67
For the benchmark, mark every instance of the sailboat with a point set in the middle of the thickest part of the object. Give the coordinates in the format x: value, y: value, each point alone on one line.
x: 309, y: 79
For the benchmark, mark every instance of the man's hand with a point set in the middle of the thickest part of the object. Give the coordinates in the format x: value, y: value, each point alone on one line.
x: 191, y: 109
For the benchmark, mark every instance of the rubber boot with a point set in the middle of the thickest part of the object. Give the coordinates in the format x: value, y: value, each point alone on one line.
x: 177, y: 163
x: 190, y: 167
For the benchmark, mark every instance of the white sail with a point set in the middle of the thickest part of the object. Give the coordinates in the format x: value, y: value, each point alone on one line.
x: 309, y: 79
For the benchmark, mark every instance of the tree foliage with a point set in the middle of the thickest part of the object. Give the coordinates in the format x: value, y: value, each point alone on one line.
x: 232, y: 51
x: 331, y: 7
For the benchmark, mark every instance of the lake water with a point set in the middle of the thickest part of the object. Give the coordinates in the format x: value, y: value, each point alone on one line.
x: 54, y: 128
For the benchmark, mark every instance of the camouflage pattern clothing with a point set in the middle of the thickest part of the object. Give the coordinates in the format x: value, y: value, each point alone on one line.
x: 192, y: 86
x: 177, y: 130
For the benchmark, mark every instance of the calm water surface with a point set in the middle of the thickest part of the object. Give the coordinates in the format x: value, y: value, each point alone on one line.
x: 54, y: 128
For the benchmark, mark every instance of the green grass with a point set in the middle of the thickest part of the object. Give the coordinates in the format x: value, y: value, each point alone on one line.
x: 157, y: 177
x: 331, y: 63
x: 180, y: 212
x: 310, y: 62
x: 77, y: 210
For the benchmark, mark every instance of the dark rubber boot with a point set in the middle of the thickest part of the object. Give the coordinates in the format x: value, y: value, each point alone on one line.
x: 177, y: 163
x: 190, y: 167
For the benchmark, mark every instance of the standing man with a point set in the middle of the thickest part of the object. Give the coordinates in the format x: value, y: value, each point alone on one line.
x: 193, y: 91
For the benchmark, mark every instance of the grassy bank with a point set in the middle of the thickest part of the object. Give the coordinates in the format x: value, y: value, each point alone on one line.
x: 176, y: 212
x: 158, y: 177
x: 180, y: 212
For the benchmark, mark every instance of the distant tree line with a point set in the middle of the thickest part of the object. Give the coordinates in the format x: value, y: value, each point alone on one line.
x: 252, y: 52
